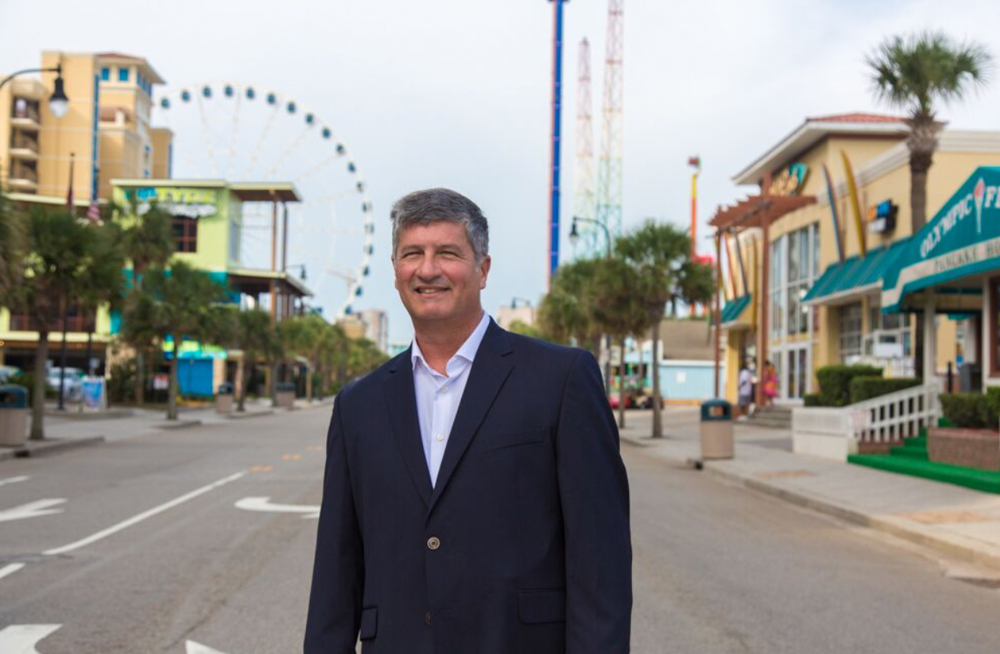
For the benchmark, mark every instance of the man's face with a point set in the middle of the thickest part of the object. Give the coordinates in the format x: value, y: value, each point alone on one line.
x: 437, y: 276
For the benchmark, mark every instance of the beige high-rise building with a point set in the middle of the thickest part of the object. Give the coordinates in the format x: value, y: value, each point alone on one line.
x: 106, y: 130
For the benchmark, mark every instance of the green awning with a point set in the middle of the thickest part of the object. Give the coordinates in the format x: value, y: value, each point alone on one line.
x: 962, y: 240
x: 844, y: 282
x: 734, y: 308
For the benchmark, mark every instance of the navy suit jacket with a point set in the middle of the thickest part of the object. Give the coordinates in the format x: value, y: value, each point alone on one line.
x: 522, y: 546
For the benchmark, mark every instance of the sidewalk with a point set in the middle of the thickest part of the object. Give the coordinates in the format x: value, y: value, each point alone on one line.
x: 962, y: 523
x: 73, y: 429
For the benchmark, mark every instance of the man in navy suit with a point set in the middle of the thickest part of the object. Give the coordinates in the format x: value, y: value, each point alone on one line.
x: 475, y: 500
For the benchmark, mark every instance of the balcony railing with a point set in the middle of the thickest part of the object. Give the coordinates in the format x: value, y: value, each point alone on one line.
x: 23, y: 173
x: 23, y: 142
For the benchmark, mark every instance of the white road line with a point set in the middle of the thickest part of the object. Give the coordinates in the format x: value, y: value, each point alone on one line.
x: 265, y: 504
x: 142, y: 516
x: 10, y: 569
x: 192, y: 647
x: 13, y: 480
x: 32, y: 509
x: 22, y: 638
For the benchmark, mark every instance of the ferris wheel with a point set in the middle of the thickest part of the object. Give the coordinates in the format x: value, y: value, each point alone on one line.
x: 240, y: 132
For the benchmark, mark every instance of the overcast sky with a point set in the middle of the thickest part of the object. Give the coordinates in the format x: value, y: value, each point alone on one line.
x: 456, y: 92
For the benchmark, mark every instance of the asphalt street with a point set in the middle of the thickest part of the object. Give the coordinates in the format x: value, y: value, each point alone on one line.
x: 200, y: 540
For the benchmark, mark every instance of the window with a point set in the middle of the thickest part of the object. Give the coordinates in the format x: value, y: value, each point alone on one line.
x: 775, y: 285
x: 122, y: 74
x: 140, y: 81
x: 105, y: 73
x: 889, y: 335
x: 76, y: 321
x: 850, y: 332
x: 186, y: 234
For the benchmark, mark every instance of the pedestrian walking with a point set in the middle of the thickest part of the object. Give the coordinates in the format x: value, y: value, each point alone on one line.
x: 475, y: 501
x: 770, y: 381
x: 745, y: 386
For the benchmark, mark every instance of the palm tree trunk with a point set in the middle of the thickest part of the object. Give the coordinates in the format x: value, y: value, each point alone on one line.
x: 38, y: 393
x: 140, y: 384
x: 172, y: 392
x: 309, y: 383
x: 621, y: 388
x: 607, y: 365
x: 657, y: 402
x: 244, y: 373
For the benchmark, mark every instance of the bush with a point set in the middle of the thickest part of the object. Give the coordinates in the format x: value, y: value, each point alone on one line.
x: 865, y: 388
x: 812, y: 399
x: 121, y: 384
x: 968, y: 410
x: 835, y: 382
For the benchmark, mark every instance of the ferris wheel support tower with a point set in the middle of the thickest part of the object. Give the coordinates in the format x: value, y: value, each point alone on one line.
x: 554, y: 180
x: 609, y: 180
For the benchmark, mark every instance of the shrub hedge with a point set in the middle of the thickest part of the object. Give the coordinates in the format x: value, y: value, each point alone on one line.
x: 972, y: 410
x: 812, y: 399
x: 835, y: 382
x: 865, y: 388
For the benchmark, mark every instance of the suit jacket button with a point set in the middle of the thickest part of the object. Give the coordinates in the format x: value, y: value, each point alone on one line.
x: 427, y: 617
x: 433, y: 543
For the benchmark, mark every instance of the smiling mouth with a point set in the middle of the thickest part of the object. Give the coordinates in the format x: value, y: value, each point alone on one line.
x: 431, y: 291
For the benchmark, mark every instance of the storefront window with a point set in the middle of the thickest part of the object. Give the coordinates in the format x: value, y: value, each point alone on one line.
x: 850, y: 332
x: 889, y: 334
x: 994, y: 326
x: 776, y: 284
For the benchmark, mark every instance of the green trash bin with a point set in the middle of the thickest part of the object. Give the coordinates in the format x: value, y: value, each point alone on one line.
x: 13, y: 415
x: 716, y: 430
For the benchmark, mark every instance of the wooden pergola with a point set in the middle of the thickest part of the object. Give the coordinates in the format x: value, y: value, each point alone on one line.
x: 754, y: 211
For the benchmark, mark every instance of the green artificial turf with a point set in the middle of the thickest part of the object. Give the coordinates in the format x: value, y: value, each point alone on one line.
x: 911, y: 464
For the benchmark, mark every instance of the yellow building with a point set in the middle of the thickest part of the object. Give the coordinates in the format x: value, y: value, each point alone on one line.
x: 106, y: 129
x: 803, y: 293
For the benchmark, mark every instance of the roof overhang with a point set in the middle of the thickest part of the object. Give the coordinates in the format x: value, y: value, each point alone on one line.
x: 806, y: 136
x: 266, y: 276
x: 265, y: 191
x: 758, y: 210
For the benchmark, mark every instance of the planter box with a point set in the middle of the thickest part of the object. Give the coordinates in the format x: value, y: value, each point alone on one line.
x: 824, y: 432
x: 969, y: 448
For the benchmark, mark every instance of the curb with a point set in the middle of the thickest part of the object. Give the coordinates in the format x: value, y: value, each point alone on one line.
x: 953, y: 545
x: 249, y: 414
x: 178, y: 424
x: 33, y: 448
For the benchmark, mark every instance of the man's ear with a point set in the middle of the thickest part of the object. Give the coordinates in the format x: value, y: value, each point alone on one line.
x: 484, y: 268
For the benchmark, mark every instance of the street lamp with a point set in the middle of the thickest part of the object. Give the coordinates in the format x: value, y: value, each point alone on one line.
x: 302, y: 275
x: 58, y: 102
x: 574, y: 233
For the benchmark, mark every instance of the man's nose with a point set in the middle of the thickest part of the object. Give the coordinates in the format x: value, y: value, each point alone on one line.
x: 428, y: 268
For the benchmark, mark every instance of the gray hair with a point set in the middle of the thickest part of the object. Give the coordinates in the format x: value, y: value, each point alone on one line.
x: 436, y: 204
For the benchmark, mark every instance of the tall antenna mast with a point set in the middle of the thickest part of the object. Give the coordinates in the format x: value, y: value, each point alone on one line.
x: 609, y: 171
x: 583, y: 169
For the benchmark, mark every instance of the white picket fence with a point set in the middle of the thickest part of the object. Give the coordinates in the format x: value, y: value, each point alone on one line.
x: 834, y: 433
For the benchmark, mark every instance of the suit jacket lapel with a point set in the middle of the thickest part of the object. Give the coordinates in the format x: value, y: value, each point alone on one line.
x: 489, y: 371
x: 401, y: 401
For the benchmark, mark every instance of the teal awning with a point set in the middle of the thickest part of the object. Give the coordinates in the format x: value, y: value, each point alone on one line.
x: 734, y: 308
x: 960, y: 241
x: 843, y: 282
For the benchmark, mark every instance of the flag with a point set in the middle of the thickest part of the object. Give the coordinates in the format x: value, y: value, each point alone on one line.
x: 93, y: 212
x: 69, y: 193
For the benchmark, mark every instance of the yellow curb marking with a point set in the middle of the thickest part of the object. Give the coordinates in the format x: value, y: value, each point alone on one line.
x: 262, y: 469
x: 785, y: 474
x: 941, y: 517
x: 291, y: 457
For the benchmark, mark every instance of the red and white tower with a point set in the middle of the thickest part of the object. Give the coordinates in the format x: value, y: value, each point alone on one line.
x: 583, y: 166
x: 609, y: 171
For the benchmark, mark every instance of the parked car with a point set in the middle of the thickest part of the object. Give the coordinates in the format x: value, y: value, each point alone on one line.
x: 72, y: 384
x: 8, y: 373
x: 644, y: 400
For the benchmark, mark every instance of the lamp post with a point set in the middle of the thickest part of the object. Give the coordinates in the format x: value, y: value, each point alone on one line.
x: 574, y: 234
x: 58, y: 102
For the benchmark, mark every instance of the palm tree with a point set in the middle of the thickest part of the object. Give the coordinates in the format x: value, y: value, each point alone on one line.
x: 618, y: 309
x: 67, y: 260
x: 254, y: 334
x: 565, y: 314
x: 658, y: 252
x: 182, y: 303
x: 914, y: 73
x: 11, y: 242
x: 148, y: 242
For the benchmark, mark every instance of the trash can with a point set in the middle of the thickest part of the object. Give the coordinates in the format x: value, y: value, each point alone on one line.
x: 13, y: 415
x: 716, y: 430
x: 224, y: 398
x: 284, y: 395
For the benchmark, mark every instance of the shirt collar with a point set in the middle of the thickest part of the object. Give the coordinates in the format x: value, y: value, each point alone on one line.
x: 468, y: 349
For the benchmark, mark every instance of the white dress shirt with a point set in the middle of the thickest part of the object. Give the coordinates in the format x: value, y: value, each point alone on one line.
x: 438, y: 396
